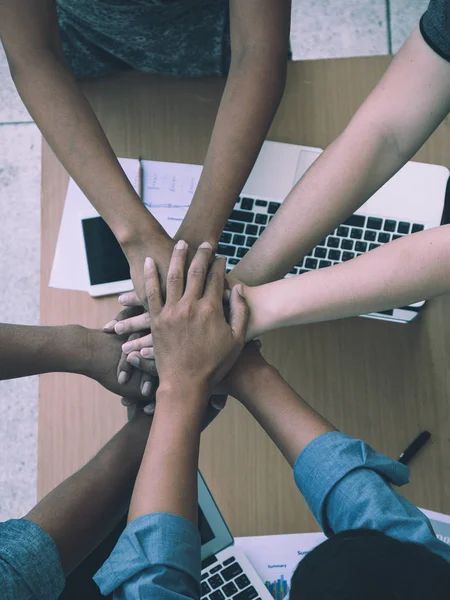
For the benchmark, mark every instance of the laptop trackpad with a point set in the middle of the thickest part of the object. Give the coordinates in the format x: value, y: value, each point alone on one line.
x: 273, y: 175
x: 307, y: 157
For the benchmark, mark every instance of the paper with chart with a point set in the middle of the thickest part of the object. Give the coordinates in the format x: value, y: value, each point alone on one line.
x: 275, y: 557
x: 440, y: 524
x: 168, y: 189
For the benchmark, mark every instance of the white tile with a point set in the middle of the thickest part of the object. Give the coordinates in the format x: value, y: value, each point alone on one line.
x: 20, y: 162
x: 12, y: 108
x: 405, y: 17
x: 330, y: 29
x: 18, y: 446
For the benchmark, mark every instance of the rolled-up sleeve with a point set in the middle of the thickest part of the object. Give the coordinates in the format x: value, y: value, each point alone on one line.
x: 346, y: 485
x: 157, y: 556
x: 30, y: 565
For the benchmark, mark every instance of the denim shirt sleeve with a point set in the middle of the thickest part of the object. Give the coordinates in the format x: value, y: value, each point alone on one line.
x: 30, y: 565
x: 346, y: 485
x: 157, y: 556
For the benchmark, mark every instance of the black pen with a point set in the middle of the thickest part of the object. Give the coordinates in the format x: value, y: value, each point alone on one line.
x: 414, y: 447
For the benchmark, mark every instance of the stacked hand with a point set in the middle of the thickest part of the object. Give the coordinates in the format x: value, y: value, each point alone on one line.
x: 138, y: 350
x: 190, y: 334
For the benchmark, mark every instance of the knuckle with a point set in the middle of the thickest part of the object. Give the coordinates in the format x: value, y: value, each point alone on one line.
x: 174, y: 277
x: 209, y: 307
x: 197, y: 271
x: 152, y: 293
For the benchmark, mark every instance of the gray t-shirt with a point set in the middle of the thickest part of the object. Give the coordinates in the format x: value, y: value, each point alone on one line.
x: 172, y: 37
x: 435, y: 27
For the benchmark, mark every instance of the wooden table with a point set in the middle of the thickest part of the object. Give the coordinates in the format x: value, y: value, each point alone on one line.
x: 379, y: 381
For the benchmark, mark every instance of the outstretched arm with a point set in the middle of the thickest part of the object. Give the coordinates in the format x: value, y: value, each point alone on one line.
x: 84, y: 509
x: 406, y: 106
x: 343, y: 480
x: 32, y: 350
x: 259, y: 48
x: 30, y: 34
x: 410, y: 269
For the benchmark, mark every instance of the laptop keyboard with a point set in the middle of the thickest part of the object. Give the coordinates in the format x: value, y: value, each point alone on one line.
x: 227, y: 580
x: 357, y: 235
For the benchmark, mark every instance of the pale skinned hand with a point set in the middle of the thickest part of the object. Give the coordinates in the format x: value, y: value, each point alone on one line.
x: 192, y: 339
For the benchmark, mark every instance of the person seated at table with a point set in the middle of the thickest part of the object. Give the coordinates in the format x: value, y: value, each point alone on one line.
x: 51, y: 44
x: 398, y: 117
x: 380, y: 545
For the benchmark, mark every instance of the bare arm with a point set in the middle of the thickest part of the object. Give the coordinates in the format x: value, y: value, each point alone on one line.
x: 287, y: 419
x: 84, y: 509
x: 414, y: 268
x: 32, y: 350
x: 30, y: 34
x: 407, y: 105
x: 255, y: 85
x: 171, y: 458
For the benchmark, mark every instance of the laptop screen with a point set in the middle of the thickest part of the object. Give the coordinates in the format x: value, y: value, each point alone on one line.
x: 206, y: 533
x: 214, y: 533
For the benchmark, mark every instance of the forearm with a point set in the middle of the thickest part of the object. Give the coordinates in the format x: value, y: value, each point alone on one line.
x: 31, y: 350
x: 414, y: 268
x: 70, y: 126
x: 400, y: 114
x: 350, y: 170
x: 82, y: 510
x: 252, y: 94
x: 167, y: 479
x: 287, y: 419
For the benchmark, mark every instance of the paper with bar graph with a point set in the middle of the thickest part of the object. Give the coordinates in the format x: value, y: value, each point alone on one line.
x: 275, y: 557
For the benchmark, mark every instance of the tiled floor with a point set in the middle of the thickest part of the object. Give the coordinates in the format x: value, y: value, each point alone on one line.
x: 320, y: 29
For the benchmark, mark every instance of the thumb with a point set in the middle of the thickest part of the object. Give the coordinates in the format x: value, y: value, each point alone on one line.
x: 239, y: 312
x: 218, y: 401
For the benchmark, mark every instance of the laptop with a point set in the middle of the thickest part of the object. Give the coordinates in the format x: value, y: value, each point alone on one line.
x: 226, y: 571
x: 411, y: 201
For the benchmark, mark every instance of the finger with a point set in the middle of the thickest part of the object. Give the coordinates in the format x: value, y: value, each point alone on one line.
x: 133, y: 324
x: 149, y: 409
x: 197, y: 272
x: 144, y: 364
x: 138, y: 344
x: 124, y: 368
x: 147, y: 384
x: 126, y: 313
x: 148, y: 353
x: 239, y: 312
x: 129, y: 299
x: 127, y: 402
x: 218, y: 402
x: 152, y: 287
x: 175, y: 274
x: 215, y: 281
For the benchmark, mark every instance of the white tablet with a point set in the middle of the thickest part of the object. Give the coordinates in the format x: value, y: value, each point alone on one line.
x: 109, y: 272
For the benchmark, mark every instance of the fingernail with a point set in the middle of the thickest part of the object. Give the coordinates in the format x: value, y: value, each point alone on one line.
x: 133, y: 360
x: 146, y: 352
x: 148, y: 262
x: 122, y: 299
x: 227, y: 294
x: 147, y: 388
x: 239, y: 290
x: 123, y: 376
x: 149, y: 409
x: 119, y: 327
x: 128, y: 347
x: 206, y: 245
x: 126, y: 402
x: 110, y: 325
x: 181, y: 245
